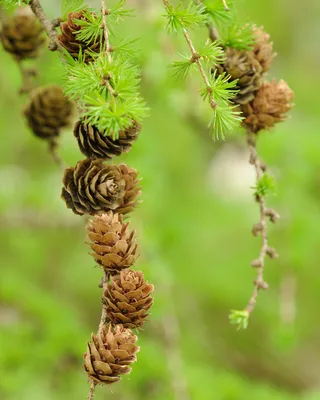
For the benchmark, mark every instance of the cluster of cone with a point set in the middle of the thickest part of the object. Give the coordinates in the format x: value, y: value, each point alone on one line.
x: 262, y: 103
x: 107, y: 192
x: 126, y: 299
x: 48, y: 110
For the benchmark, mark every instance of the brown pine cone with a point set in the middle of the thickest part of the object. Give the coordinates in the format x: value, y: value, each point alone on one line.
x: 242, y: 65
x: 48, y: 111
x: 263, y: 49
x: 68, y: 38
x: 22, y: 34
x: 110, y: 354
x: 128, y: 298
x: 114, y: 246
x: 96, y: 144
x: 92, y: 187
x: 272, y: 102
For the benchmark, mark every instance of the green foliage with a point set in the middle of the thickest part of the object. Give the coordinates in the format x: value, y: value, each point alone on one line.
x: 225, y: 119
x: 8, y: 4
x: 240, y: 318
x: 181, y: 17
x: 106, y: 89
x: 232, y: 32
x: 237, y: 36
x: 265, y: 186
x: 110, y: 111
x: 182, y: 68
x: 212, y: 53
x: 91, y: 27
x: 218, y: 13
x: 118, y: 12
x: 68, y: 6
x: 221, y: 87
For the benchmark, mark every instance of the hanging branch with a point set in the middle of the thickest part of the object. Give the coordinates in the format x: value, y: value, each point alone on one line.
x: 106, y: 277
x: 264, y: 185
x: 260, y: 228
x: 219, y: 92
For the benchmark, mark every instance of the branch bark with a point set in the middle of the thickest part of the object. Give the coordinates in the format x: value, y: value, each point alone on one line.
x: 260, y: 228
x: 48, y: 25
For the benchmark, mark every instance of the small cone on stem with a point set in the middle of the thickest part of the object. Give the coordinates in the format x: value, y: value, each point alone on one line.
x: 128, y: 298
x: 22, y: 34
x: 113, y: 244
x: 270, y: 105
x: 110, y: 354
x: 48, y: 111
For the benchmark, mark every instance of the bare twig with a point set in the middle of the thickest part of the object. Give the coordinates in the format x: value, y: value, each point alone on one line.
x: 260, y: 228
x: 28, y: 75
x: 197, y: 59
x: 91, y: 392
x: 105, y: 12
x: 49, y: 26
x: 53, y: 145
x: 103, y: 319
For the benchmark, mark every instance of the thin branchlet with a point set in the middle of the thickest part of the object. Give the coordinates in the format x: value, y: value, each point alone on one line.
x: 259, y: 263
x: 106, y: 81
x: 225, y: 5
x: 48, y: 25
x: 197, y: 60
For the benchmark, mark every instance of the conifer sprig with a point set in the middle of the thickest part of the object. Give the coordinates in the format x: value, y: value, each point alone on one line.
x: 107, y: 88
x: 228, y: 31
x: 8, y: 4
x: 179, y: 19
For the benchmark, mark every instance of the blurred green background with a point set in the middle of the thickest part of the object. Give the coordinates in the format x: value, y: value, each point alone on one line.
x: 194, y: 230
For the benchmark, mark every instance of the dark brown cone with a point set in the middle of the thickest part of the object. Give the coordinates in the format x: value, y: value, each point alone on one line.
x: 22, y: 34
x: 110, y: 354
x: 92, y: 187
x: 272, y: 102
x: 114, y: 246
x: 263, y: 49
x: 128, y: 299
x: 69, y: 41
x: 242, y: 65
x: 48, y: 111
x: 96, y: 144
